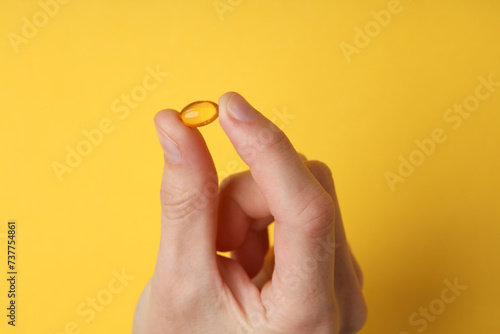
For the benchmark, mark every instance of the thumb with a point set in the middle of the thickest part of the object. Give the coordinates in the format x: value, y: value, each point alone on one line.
x: 188, y: 196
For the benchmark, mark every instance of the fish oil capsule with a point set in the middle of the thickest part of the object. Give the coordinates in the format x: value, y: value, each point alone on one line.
x: 199, y: 113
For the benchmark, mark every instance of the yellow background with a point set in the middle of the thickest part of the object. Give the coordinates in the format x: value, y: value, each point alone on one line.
x: 442, y: 223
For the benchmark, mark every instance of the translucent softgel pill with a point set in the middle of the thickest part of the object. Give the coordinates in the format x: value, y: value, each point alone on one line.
x: 199, y: 113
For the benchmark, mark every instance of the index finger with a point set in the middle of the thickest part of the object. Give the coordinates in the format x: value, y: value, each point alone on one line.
x: 302, y: 209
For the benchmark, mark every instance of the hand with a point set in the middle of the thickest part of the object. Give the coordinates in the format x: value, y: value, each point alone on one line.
x: 311, y: 284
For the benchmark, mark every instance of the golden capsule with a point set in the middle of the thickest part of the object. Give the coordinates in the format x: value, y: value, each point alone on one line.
x: 199, y: 113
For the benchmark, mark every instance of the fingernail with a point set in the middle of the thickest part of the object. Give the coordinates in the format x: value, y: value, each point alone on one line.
x: 240, y: 109
x: 170, y: 147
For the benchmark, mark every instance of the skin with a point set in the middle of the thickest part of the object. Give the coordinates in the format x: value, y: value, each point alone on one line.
x: 308, y: 283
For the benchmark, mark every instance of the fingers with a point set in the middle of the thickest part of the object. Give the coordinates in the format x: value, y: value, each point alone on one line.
x: 348, y: 277
x: 241, y: 189
x: 188, y: 198
x: 252, y: 252
x: 302, y: 209
x: 266, y: 273
x: 241, y: 207
x: 243, y: 217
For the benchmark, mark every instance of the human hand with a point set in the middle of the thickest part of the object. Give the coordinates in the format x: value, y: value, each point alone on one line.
x: 315, y: 285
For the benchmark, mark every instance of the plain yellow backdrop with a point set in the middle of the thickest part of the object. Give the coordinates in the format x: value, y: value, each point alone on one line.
x: 360, y: 101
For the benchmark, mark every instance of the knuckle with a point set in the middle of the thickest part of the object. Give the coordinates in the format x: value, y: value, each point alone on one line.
x: 229, y: 184
x: 320, y: 168
x: 302, y: 157
x: 178, y: 205
x: 321, y: 172
x: 318, y: 215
